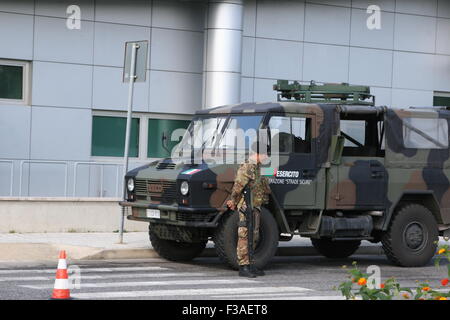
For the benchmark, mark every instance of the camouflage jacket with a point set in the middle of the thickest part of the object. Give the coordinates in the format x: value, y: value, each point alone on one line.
x: 250, y: 173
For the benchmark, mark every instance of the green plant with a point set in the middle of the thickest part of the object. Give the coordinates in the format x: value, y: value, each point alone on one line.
x: 357, y: 287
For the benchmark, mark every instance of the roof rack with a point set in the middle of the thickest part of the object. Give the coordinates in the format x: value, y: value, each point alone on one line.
x: 336, y: 93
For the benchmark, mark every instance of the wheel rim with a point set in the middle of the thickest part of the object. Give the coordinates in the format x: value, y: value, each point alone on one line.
x: 415, y: 236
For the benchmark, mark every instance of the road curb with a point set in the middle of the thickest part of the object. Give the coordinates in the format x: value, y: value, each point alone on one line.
x: 110, y: 254
x: 49, y: 252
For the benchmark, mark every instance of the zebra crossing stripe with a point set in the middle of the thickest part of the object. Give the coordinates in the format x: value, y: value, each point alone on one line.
x: 116, y: 269
x: 113, y: 276
x: 5, y: 279
x: 184, y: 292
x: 260, y: 295
x: 149, y: 283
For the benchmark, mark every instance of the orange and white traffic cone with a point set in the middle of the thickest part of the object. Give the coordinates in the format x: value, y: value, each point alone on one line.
x: 61, y: 289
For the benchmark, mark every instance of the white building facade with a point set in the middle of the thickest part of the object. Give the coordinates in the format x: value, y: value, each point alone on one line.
x: 63, y: 102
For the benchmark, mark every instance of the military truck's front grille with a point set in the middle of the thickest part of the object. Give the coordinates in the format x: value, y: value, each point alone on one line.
x: 195, y: 217
x: 159, y: 191
x: 140, y: 187
x: 165, y: 165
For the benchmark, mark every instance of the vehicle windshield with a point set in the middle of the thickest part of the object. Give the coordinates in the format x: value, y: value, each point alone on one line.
x: 209, y: 134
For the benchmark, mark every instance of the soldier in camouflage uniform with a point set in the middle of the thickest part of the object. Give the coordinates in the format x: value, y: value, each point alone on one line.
x: 249, y: 173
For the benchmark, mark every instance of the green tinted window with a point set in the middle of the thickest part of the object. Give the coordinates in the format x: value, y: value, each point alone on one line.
x: 11, y: 82
x: 159, y: 128
x: 441, y: 101
x: 108, y: 136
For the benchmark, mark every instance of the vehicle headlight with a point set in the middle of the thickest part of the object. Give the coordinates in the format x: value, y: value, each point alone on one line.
x: 184, y: 188
x: 130, y: 184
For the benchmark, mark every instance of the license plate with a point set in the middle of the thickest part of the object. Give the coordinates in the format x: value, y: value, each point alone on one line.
x: 153, y: 213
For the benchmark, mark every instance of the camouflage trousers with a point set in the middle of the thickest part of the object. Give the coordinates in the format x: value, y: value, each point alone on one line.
x: 242, y: 244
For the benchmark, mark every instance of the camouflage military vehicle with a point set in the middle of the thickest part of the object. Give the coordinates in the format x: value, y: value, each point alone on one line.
x: 347, y: 171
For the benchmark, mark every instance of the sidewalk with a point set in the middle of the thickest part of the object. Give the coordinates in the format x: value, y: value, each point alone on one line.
x: 79, y: 246
x: 98, y: 246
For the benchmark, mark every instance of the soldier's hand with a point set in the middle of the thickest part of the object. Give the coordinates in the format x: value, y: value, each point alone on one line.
x: 231, y: 205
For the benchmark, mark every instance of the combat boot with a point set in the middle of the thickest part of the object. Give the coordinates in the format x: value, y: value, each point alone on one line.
x: 257, y: 271
x: 244, y: 271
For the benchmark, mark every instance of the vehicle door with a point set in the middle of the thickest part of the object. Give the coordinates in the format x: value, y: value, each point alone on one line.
x: 361, y: 174
x: 292, y: 172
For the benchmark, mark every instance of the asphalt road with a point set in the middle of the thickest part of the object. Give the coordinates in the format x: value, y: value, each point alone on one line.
x: 204, y: 278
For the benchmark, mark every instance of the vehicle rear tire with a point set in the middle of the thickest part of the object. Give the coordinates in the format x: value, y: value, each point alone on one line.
x: 335, y: 249
x: 226, y: 236
x: 410, y: 240
x: 175, y: 250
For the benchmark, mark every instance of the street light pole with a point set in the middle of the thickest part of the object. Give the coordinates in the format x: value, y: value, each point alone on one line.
x: 134, y: 48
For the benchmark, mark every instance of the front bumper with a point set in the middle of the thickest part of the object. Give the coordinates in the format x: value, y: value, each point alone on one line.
x: 175, y: 215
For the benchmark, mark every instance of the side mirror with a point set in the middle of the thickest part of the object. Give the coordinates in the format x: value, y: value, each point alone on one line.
x: 336, y: 148
x: 165, y: 141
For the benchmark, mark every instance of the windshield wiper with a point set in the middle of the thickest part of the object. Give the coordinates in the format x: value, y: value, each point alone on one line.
x: 214, y: 135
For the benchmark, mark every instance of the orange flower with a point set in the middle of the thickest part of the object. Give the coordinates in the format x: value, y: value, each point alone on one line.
x: 382, y: 286
x: 405, y: 295
x: 444, y: 282
x: 362, y: 281
x: 441, y: 251
x: 443, y: 298
x: 426, y: 289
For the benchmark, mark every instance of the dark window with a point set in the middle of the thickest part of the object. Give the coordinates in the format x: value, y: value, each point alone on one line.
x: 280, y: 133
x: 108, y: 136
x: 293, y: 134
x: 301, y: 129
x: 160, y: 139
x: 363, y: 136
x: 11, y: 82
x: 441, y: 99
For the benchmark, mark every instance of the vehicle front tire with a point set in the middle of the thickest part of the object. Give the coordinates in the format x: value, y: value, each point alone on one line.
x: 335, y: 249
x: 175, y: 250
x: 410, y: 240
x: 226, y: 236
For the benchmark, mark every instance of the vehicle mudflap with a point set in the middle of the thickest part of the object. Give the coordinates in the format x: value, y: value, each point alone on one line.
x: 279, y: 215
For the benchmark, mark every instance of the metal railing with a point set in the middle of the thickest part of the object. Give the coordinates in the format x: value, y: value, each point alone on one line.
x: 66, y: 169
x: 11, y: 162
x: 71, y: 171
x: 102, y: 164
